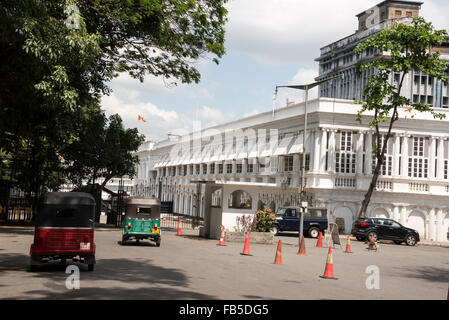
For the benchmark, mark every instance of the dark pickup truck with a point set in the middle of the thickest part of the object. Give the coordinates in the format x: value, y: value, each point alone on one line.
x: 287, y: 219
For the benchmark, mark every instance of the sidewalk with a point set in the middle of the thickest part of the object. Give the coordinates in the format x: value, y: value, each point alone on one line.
x: 444, y: 244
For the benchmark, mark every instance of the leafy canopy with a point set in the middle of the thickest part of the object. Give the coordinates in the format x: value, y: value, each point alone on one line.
x: 402, y: 48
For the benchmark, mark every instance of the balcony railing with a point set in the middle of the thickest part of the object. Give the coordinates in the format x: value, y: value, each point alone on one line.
x: 384, y: 185
x: 420, y: 187
x: 345, y: 183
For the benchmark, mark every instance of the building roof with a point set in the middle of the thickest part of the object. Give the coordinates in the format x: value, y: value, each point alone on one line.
x: 417, y: 3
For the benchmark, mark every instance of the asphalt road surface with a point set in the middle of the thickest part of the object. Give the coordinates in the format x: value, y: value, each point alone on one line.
x: 188, y: 267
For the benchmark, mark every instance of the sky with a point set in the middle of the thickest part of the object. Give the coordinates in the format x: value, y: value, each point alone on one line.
x: 268, y: 43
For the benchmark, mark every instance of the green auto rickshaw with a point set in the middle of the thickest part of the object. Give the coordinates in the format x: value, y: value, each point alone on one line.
x: 142, y: 220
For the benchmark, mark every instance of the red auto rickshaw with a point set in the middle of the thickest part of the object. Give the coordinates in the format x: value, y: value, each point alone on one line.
x: 64, y: 229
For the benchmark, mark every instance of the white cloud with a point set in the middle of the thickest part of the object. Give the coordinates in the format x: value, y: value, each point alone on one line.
x: 290, y: 31
x: 303, y: 76
x: 293, y: 31
x: 160, y: 121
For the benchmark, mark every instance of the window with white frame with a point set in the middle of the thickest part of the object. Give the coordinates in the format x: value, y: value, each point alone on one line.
x: 418, y: 162
x: 345, y: 155
x: 239, y: 168
x: 288, y: 163
x: 387, y: 166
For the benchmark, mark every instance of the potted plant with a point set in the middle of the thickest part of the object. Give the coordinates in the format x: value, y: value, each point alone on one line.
x: 259, y: 227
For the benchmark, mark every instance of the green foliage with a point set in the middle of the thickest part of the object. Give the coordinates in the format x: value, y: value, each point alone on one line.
x: 403, y: 48
x: 56, y: 62
x: 264, y: 220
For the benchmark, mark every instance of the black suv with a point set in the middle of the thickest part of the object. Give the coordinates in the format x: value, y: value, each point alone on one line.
x: 384, y: 229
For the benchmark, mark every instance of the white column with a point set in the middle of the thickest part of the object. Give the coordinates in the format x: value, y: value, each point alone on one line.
x: 403, y: 215
x: 323, y: 151
x: 369, y: 154
x: 404, y: 154
x: 440, y: 236
x: 440, y: 169
x: 359, y: 157
x: 296, y: 163
x: 431, y: 225
x: 396, y: 214
x: 316, y: 150
x: 396, y: 147
x: 331, y: 153
x: 432, y: 168
x: 244, y: 166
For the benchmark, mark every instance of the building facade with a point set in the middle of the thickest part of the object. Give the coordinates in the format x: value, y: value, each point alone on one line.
x: 258, y: 158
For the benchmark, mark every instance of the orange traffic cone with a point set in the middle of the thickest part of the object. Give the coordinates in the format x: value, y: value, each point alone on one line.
x: 372, y: 245
x: 319, y: 243
x: 246, y: 247
x: 179, y: 228
x: 302, y: 248
x: 348, y: 245
x: 329, y: 269
x: 222, y: 238
x: 278, y: 257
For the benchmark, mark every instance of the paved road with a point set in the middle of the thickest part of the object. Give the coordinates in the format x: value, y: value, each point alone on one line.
x: 192, y: 268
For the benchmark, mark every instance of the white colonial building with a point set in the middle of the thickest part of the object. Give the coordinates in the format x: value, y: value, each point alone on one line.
x: 233, y: 169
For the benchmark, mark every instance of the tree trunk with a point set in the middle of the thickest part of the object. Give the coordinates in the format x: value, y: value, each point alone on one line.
x: 371, y: 188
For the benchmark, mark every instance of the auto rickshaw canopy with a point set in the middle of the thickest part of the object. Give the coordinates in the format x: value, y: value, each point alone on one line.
x: 143, y: 208
x: 66, y: 209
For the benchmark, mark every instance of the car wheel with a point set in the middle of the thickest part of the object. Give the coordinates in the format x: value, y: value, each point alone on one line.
x: 374, y: 235
x: 314, y: 232
x: 410, y: 240
x: 397, y: 241
x: 275, y: 230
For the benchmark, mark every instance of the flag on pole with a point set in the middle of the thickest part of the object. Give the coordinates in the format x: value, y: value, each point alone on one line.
x: 139, y: 117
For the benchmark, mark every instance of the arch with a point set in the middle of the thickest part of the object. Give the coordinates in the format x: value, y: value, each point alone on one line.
x: 240, y: 199
x: 445, y: 223
x: 417, y: 220
x: 379, y: 213
x: 346, y: 214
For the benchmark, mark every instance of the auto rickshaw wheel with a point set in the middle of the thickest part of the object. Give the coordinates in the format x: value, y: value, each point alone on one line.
x: 158, y: 242
x: 123, y: 240
x: 90, y: 267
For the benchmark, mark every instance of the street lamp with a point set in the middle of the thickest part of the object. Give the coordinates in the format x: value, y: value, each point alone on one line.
x: 305, y: 87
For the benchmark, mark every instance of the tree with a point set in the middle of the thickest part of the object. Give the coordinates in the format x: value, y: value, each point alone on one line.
x: 404, y: 47
x: 159, y: 37
x: 57, y: 58
x: 104, y: 150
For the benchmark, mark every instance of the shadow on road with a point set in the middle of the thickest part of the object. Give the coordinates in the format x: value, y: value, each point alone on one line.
x: 16, y: 231
x: 132, y: 280
x: 428, y: 273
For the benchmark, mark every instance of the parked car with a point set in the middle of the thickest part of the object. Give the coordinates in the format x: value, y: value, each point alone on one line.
x: 287, y: 219
x: 384, y: 229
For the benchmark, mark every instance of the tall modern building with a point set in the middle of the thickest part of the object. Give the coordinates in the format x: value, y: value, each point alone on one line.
x: 232, y: 169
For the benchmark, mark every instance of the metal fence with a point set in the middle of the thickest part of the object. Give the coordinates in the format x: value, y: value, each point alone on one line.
x: 174, y: 220
x: 17, y: 207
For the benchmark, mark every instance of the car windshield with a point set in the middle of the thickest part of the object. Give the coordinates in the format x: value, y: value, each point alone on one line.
x: 280, y: 212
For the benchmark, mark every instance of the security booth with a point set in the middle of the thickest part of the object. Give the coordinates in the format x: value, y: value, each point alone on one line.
x: 225, y: 201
